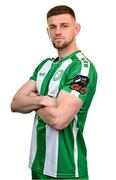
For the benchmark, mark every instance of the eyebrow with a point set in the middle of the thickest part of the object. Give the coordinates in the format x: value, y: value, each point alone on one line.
x: 63, y: 23
x: 51, y: 25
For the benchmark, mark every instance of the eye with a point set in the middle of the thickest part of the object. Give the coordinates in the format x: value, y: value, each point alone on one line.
x: 64, y: 25
x: 52, y: 27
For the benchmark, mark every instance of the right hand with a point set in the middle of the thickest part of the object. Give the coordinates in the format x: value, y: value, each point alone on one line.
x: 49, y: 101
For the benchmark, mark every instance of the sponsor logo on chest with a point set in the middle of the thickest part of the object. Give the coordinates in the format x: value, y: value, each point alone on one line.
x: 42, y: 74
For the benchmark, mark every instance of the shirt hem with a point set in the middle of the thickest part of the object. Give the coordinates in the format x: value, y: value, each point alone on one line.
x: 59, y: 175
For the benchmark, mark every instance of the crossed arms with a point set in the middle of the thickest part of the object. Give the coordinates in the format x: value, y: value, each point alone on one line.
x: 57, y: 112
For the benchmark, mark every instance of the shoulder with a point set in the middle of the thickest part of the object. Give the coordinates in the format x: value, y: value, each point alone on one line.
x: 88, y: 68
x: 46, y: 60
x: 82, y: 66
x: 85, y: 64
x: 42, y: 62
x: 40, y: 65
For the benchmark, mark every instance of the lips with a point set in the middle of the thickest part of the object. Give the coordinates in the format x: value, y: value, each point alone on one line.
x: 56, y: 39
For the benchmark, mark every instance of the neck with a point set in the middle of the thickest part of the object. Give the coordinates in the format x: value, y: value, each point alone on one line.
x: 62, y: 53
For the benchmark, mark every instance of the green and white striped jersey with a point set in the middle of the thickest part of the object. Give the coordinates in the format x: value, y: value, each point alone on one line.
x: 62, y: 153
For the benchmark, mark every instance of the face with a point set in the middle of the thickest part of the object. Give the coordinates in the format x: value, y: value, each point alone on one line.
x: 62, y: 30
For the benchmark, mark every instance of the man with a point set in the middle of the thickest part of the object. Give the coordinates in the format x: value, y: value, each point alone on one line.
x: 60, y: 91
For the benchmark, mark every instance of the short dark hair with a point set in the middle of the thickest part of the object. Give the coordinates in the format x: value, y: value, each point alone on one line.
x: 62, y: 9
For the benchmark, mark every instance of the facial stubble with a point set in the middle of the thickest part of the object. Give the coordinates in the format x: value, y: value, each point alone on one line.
x: 63, y: 45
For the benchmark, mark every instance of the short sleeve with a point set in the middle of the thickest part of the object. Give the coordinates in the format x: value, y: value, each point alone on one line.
x: 81, y: 78
x: 34, y: 75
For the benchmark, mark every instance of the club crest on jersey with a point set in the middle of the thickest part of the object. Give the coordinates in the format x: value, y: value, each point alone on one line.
x: 80, y: 83
x: 57, y: 75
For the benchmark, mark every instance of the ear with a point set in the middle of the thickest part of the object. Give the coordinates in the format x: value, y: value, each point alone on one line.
x: 77, y: 28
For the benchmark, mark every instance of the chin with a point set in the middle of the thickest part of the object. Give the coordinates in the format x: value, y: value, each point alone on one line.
x: 62, y: 46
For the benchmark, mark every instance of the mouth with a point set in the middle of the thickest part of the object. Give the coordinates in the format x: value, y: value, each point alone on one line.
x: 59, y: 39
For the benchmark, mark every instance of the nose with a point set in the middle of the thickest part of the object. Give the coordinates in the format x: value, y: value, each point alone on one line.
x: 58, y: 30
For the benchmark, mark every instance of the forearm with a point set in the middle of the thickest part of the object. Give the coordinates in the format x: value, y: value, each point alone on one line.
x: 57, y: 117
x: 60, y: 116
x: 49, y: 115
x: 25, y: 103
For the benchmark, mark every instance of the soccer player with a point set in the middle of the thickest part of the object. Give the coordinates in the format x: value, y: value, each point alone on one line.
x: 60, y: 92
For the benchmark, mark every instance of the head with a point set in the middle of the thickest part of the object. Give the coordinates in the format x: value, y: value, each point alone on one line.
x: 62, y: 27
